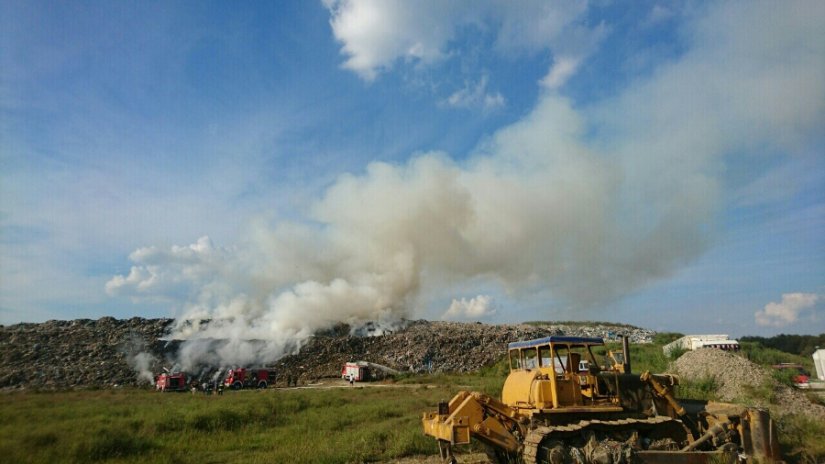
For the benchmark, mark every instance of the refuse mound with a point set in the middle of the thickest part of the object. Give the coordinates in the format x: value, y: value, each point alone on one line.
x: 78, y: 353
x: 430, y: 346
x: 107, y: 352
x: 739, y: 380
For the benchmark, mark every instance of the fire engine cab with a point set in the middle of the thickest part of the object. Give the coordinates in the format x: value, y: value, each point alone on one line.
x: 248, y: 378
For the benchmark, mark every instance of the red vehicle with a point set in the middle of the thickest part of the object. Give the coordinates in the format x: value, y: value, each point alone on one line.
x: 801, y: 378
x: 249, y: 378
x: 170, y: 381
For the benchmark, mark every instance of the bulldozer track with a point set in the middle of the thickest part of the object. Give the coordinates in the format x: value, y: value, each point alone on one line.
x: 536, y: 436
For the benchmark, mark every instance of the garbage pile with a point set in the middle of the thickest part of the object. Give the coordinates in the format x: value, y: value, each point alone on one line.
x: 78, y: 353
x: 87, y: 353
x: 429, y: 346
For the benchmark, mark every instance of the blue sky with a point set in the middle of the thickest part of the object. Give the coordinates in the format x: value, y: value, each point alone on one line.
x: 294, y: 164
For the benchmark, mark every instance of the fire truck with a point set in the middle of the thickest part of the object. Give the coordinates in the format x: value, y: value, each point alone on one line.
x: 170, y: 381
x: 249, y: 378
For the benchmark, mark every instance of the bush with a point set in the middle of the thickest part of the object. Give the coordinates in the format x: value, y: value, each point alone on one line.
x: 702, y: 389
x: 800, y: 439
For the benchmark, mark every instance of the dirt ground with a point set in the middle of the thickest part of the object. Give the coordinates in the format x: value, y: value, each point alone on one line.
x: 324, y: 384
x: 476, y: 458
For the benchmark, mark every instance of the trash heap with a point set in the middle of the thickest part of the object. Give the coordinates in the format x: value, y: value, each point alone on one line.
x: 430, y: 346
x: 100, y: 353
x: 78, y: 353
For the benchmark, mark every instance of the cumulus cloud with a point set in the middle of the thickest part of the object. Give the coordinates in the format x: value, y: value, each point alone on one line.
x: 475, y: 95
x: 173, y: 272
x: 786, y: 311
x: 540, y: 205
x: 477, y: 308
x: 375, y: 34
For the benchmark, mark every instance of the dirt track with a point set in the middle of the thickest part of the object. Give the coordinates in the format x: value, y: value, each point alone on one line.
x: 472, y: 458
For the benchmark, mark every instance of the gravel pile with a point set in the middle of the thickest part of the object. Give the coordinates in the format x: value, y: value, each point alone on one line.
x: 102, y: 353
x: 736, y: 377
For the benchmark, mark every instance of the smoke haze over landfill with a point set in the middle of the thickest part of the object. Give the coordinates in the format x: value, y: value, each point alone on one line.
x: 635, y: 191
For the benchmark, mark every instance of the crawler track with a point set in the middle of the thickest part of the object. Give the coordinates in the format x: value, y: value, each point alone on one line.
x: 535, y: 453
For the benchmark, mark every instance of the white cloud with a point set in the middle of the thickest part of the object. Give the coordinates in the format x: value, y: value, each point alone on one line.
x: 375, y: 34
x: 561, y: 70
x: 786, y: 311
x: 476, y: 96
x: 478, y: 308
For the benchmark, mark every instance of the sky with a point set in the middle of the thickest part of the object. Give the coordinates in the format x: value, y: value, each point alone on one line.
x: 285, y: 166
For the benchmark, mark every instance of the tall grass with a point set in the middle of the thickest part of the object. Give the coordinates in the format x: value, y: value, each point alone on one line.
x: 769, y: 356
x: 129, y: 426
x: 801, y: 439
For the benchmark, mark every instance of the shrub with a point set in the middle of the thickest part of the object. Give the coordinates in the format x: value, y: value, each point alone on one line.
x: 702, y: 389
x: 800, y: 439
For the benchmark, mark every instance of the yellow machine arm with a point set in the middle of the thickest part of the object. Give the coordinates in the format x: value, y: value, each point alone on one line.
x: 473, y: 413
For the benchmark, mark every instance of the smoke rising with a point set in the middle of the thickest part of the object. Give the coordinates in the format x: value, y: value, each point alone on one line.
x: 543, y: 204
x: 140, y: 360
x: 537, y: 210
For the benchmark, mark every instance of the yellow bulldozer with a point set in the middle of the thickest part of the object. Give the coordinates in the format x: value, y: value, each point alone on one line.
x: 560, y: 405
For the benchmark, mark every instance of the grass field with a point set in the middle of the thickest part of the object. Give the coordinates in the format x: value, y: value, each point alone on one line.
x: 303, y: 426
x: 329, y: 425
x: 320, y: 425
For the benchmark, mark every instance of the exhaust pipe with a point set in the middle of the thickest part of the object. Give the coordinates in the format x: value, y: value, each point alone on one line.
x: 626, y: 351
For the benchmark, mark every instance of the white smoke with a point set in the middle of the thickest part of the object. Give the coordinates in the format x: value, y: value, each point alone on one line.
x: 541, y: 205
x: 141, y: 361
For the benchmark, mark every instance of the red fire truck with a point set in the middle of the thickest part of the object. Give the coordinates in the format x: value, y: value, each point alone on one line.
x: 249, y: 378
x: 170, y: 381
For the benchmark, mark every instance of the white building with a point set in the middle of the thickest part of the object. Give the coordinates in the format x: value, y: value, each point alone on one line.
x: 819, y: 363
x: 694, y: 342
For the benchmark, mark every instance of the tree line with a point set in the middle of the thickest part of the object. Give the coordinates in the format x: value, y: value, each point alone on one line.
x: 803, y: 345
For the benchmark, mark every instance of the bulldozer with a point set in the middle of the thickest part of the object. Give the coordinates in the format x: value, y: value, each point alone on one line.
x: 560, y: 405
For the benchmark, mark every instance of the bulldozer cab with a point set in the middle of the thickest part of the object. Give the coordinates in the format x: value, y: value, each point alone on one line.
x: 615, y: 361
x: 554, y: 372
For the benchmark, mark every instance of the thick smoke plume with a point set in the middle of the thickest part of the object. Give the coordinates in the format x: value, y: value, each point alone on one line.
x: 585, y: 205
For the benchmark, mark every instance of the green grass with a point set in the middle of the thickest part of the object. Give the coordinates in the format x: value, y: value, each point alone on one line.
x: 801, y: 439
x: 340, y: 425
x: 770, y: 356
x: 127, y: 426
